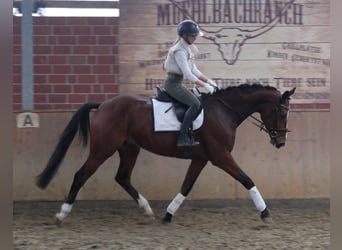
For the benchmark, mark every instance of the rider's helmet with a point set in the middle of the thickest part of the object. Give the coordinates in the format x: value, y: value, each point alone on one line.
x: 189, y: 28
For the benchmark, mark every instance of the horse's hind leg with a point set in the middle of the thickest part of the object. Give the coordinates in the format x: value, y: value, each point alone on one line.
x: 128, y: 155
x: 81, y: 176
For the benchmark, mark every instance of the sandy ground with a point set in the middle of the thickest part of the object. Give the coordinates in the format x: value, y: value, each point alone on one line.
x: 113, y: 225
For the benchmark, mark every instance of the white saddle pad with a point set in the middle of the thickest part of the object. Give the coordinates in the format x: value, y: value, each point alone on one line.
x: 165, y: 118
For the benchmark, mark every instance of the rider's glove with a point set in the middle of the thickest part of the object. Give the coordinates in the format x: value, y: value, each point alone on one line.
x: 210, y: 88
x: 212, y: 83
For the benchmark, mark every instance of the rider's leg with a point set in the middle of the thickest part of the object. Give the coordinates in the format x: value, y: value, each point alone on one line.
x: 185, y: 136
x: 178, y: 91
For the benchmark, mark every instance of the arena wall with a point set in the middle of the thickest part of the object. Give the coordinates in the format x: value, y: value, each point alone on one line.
x: 299, y: 170
x: 75, y: 60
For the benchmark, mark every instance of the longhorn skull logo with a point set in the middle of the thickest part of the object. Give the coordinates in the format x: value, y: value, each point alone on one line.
x: 229, y: 41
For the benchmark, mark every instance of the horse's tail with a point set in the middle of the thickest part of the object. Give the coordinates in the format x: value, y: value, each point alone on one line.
x: 79, y: 121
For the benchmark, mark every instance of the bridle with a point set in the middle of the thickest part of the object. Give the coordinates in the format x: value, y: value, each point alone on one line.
x: 272, y: 132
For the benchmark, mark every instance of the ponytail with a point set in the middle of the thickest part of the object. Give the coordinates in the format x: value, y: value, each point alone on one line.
x: 176, y: 41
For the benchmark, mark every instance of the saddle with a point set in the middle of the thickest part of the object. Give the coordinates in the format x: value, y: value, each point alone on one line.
x: 179, y: 108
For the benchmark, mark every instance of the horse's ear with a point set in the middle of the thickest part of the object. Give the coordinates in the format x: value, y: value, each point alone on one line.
x: 291, y: 92
x: 288, y: 93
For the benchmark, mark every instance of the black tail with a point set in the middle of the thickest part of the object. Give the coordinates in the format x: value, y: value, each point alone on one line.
x: 79, y: 121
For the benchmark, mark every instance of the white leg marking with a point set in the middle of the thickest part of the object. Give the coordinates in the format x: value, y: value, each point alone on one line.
x: 257, y: 199
x: 65, y: 210
x: 143, y: 203
x: 175, y: 204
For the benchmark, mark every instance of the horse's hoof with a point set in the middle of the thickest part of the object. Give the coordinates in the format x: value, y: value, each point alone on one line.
x: 266, y: 216
x: 150, y: 216
x: 167, y: 219
x: 149, y: 213
x: 165, y: 222
x: 58, y: 220
x: 267, y: 220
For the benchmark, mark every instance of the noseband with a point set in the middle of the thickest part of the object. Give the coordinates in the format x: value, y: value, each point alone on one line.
x: 272, y: 132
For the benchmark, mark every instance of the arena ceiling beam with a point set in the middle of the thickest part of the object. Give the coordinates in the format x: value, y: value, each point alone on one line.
x: 69, y: 4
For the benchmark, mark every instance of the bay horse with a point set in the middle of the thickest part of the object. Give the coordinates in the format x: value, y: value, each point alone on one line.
x: 125, y: 124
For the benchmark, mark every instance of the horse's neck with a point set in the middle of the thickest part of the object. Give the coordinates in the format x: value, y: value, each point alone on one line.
x: 245, y: 104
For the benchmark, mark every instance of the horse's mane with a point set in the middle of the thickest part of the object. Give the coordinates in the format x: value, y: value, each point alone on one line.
x: 246, y: 86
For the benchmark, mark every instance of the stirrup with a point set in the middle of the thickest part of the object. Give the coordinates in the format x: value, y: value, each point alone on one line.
x: 190, y: 143
x: 196, y: 143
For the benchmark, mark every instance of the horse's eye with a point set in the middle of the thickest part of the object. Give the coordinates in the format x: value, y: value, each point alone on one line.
x: 273, y: 133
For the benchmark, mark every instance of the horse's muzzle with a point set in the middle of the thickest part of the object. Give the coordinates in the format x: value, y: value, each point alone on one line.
x: 278, y: 142
x: 279, y: 145
x: 278, y: 138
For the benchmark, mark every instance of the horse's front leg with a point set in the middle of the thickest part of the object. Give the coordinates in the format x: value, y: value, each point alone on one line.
x: 228, y: 164
x: 193, y: 172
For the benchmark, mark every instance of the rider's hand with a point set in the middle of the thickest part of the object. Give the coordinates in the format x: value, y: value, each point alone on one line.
x: 212, y: 83
x: 210, y: 88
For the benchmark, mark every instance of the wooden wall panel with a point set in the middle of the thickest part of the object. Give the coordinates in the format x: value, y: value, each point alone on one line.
x: 293, y: 51
x: 299, y: 170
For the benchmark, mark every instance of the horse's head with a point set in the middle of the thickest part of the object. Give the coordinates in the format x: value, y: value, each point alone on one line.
x: 275, y: 119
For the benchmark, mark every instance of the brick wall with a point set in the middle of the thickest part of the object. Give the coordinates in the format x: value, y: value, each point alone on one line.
x: 75, y: 61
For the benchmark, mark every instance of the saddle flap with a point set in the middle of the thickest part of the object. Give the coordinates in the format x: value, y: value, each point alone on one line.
x: 165, y: 118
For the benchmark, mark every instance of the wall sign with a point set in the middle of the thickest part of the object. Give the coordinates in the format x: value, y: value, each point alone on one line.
x: 283, y: 43
x: 27, y: 120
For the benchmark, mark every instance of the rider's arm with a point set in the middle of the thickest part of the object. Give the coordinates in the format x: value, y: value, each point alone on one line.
x: 199, y: 74
x: 181, y: 60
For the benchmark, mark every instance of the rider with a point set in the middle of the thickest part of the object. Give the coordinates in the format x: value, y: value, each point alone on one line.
x: 179, y: 64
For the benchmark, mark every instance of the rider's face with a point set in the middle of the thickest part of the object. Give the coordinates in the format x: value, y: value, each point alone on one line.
x: 191, y: 39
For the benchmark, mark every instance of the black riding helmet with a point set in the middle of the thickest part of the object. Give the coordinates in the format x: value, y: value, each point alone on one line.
x: 188, y: 28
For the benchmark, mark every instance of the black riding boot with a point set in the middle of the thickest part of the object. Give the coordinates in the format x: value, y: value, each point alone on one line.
x: 185, y: 138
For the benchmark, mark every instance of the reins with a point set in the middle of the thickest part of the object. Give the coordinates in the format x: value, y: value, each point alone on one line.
x: 258, y: 123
